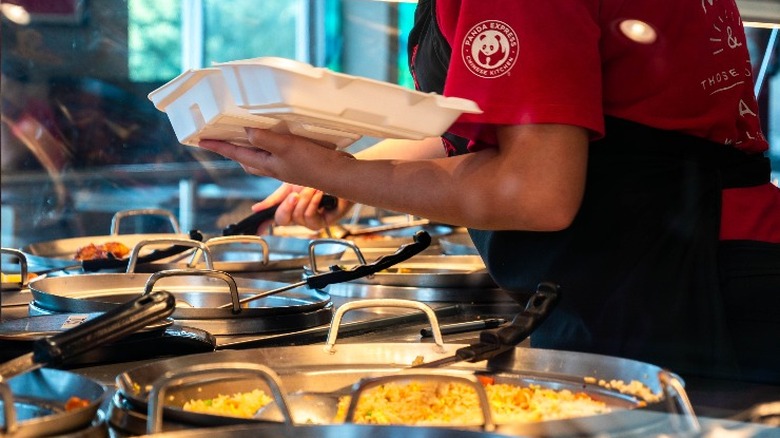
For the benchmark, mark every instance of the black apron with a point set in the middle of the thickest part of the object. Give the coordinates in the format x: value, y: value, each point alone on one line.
x: 638, y: 268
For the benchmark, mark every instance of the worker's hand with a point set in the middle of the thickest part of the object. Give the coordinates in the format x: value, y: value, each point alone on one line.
x: 287, y: 157
x: 301, y: 206
x: 296, y: 160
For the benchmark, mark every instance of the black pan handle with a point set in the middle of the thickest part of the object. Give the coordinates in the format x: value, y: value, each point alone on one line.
x: 249, y: 224
x: 497, y: 341
x: 110, y: 326
x: 338, y: 275
x: 536, y: 310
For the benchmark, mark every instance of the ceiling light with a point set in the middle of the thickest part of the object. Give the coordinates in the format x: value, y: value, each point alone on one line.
x: 15, y: 13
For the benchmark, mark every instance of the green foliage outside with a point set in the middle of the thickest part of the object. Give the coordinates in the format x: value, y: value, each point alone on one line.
x: 240, y: 29
x: 154, y: 34
x: 237, y: 29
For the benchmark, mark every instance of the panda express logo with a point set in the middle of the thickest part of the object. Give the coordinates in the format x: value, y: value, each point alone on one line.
x: 489, y: 49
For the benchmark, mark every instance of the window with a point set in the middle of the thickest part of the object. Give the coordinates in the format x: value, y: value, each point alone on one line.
x: 154, y: 40
x: 166, y: 38
x: 81, y: 141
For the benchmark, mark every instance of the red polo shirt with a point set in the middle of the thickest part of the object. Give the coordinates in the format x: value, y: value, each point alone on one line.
x: 575, y: 61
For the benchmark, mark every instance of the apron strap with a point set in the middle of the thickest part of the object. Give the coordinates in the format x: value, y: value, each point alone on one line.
x: 429, y: 59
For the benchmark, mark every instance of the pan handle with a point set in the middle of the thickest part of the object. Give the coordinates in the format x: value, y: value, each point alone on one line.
x: 349, y: 244
x: 494, y: 342
x: 226, y: 240
x: 330, y: 343
x: 9, y: 411
x: 338, y: 275
x: 224, y: 276
x: 140, y: 212
x: 536, y: 311
x: 423, y: 375
x: 195, y: 373
x: 108, y: 327
x: 675, y: 391
x: 133, y: 260
x: 23, y: 280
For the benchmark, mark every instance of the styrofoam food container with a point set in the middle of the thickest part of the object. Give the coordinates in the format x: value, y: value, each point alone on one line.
x: 199, y: 106
x: 333, y: 109
x: 292, y: 90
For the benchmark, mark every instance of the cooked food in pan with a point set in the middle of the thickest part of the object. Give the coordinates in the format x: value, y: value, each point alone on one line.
x: 431, y: 403
x: 452, y: 403
x: 74, y: 403
x: 16, y: 278
x: 115, y: 250
x: 243, y: 404
x: 634, y: 387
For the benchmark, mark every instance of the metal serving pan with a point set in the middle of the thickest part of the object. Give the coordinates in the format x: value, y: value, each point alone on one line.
x: 243, y: 253
x: 432, y: 271
x: 59, y: 254
x: 310, y: 368
x: 423, y: 271
x: 34, y: 399
x: 39, y: 398
x: 323, y: 431
x: 426, y: 294
x: 399, y: 233
x: 392, y: 238
x: 314, y: 368
x: 457, y: 243
x: 209, y: 295
x: 199, y: 295
x: 236, y: 253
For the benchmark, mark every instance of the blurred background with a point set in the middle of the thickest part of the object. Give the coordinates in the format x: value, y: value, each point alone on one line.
x: 81, y: 141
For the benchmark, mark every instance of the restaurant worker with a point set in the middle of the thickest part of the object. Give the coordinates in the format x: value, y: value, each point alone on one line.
x: 619, y: 155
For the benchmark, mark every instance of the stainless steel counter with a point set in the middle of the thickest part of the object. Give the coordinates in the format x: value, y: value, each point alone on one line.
x: 715, y: 402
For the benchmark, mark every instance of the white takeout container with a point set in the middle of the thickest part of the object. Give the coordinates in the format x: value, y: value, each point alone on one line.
x: 333, y: 109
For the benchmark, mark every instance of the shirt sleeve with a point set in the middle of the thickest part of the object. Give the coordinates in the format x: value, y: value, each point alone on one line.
x: 524, y: 62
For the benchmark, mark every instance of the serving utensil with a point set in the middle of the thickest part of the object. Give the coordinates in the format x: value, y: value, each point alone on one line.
x: 493, y: 342
x: 249, y: 224
x: 338, y: 231
x: 108, y: 327
x: 338, y: 275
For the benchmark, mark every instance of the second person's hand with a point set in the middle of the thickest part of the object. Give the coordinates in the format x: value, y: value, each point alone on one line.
x: 301, y: 206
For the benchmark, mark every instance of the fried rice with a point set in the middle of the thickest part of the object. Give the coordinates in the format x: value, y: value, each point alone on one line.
x: 431, y: 403
x: 436, y: 403
x: 242, y: 404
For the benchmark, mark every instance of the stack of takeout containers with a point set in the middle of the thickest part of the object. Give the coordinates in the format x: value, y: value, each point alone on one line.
x: 333, y: 109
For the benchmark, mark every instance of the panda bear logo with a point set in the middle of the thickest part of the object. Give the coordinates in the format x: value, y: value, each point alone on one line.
x: 490, y: 48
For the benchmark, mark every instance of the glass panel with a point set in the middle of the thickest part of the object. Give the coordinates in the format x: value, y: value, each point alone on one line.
x: 405, y: 23
x: 766, y: 71
x: 241, y: 29
x: 80, y: 139
x: 154, y: 40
